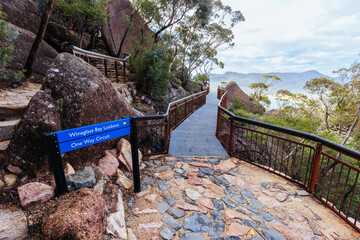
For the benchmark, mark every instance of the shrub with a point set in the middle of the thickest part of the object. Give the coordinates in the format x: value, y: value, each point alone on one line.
x: 7, y: 36
x: 150, y: 71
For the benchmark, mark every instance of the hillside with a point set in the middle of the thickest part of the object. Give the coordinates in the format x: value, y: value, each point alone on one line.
x: 291, y: 81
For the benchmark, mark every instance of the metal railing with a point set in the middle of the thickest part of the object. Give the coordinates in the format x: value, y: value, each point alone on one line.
x: 154, y: 131
x: 105, y: 59
x: 318, y: 165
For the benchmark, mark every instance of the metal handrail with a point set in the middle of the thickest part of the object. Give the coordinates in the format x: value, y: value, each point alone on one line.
x: 159, y: 116
x: 188, y: 104
x: 308, y: 136
x: 98, y: 55
x: 317, y: 162
x: 105, y: 58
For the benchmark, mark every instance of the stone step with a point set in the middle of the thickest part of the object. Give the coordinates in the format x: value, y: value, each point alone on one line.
x: 4, y: 145
x: 10, y: 109
x: 7, y: 129
x: 13, y: 102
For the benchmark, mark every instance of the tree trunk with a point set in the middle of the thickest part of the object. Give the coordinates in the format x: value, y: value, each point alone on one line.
x: 39, y: 38
x: 93, y: 39
x: 125, y: 34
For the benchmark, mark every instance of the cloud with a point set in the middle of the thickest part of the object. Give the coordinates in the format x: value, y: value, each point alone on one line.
x: 296, y: 35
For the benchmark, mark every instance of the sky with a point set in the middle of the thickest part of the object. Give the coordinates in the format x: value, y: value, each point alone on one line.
x: 294, y: 36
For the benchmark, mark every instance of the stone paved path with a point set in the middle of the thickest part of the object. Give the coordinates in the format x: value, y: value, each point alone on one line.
x: 196, y: 135
x: 225, y: 198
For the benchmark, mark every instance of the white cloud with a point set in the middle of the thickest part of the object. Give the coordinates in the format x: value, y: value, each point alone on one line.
x: 295, y: 35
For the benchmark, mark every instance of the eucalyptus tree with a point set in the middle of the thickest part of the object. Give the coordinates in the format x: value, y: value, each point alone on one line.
x: 260, y: 88
x: 81, y: 15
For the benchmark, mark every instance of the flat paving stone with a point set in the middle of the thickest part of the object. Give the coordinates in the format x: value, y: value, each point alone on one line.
x: 220, y: 181
x: 167, y: 233
x: 163, y: 168
x: 169, y: 199
x: 266, y: 216
x: 197, y: 223
x: 216, y: 215
x: 171, y: 222
x: 214, y: 161
x: 256, y: 238
x: 177, y: 213
x: 256, y: 204
x: 250, y: 208
x: 272, y: 234
x: 179, y: 171
x: 247, y: 193
x: 216, y: 228
x: 206, y: 171
x: 164, y: 185
x: 218, y: 204
x: 162, y: 207
x: 190, y: 236
x: 249, y: 223
x: 240, y: 199
x: 226, y: 238
x: 229, y: 203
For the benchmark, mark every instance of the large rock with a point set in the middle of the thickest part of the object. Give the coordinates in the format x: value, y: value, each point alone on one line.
x: 34, y: 193
x: 77, y: 215
x: 22, y: 13
x: 22, y: 45
x: 13, y: 224
x: 234, y: 91
x: 119, y: 13
x: 26, y: 149
x: 87, y: 98
x: 125, y: 154
x: 56, y: 35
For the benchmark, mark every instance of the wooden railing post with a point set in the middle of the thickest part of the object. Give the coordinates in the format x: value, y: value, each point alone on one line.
x: 185, y: 108
x: 192, y: 105
x: 217, y: 134
x: 315, y: 168
x: 175, y: 115
x: 124, y: 65
x: 167, y: 133
x: 231, y: 135
x: 105, y: 68
x: 116, y: 71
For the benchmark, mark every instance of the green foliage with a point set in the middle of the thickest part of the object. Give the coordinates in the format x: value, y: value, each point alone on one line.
x: 81, y: 15
x: 202, y: 78
x: 150, y: 71
x: 237, y: 104
x: 8, y: 77
x: 7, y: 36
x: 260, y: 89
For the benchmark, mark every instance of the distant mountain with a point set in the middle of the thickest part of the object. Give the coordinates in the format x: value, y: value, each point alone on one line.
x: 293, y: 82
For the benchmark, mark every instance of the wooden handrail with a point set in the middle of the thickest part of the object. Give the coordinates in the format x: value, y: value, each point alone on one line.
x: 105, y: 58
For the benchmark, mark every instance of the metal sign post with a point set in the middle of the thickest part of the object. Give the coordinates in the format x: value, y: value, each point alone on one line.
x: 76, y: 138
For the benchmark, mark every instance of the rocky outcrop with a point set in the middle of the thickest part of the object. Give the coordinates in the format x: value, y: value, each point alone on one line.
x: 87, y: 98
x: 22, y: 13
x: 26, y: 149
x: 13, y: 224
x: 119, y: 14
x: 234, y: 91
x: 22, y: 45
x: 56, y: 35
x: 77, y: 215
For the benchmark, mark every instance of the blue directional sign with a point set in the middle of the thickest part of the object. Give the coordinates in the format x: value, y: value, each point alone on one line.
x: 76, y: 138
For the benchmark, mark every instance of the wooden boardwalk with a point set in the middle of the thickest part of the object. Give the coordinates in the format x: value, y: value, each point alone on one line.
x: 196, y: 135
